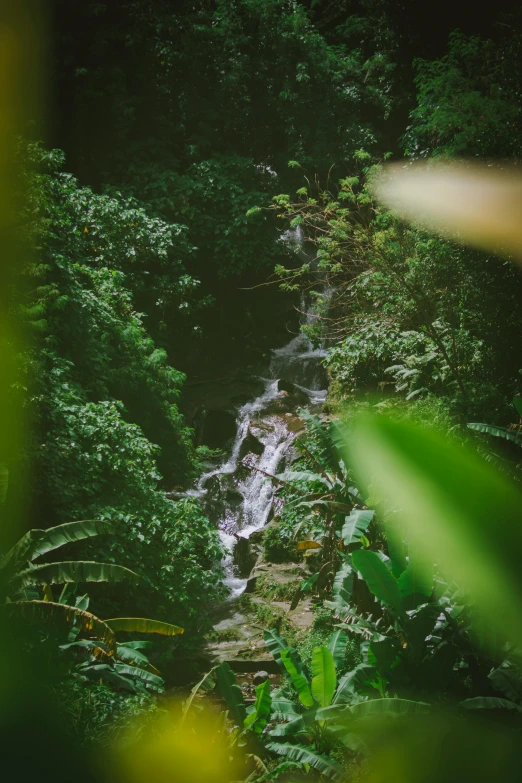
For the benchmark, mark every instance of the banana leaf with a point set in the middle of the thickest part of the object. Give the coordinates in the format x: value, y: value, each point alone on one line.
x: 324, y: 678
x: 307, y: 755
x: 60, y: 614
x: 258, y: 718
x: 143, y: 625
x: 298, y: 679
x: 337, y: 646
x: 356, y: 525
x: 231, y: 692
x: 379, y: 579
x: 60, y: 535
x: 489, y: 703
x: 72, y: 571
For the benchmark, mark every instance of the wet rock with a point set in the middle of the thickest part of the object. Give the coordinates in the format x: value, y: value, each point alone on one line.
x: 251, y: 445
x: 216, y: 428
x: 284, y: 385
x: 291, y: 456
x: 244, y: 556
x: 260, y: 677
x: 222, y: 498
x: 257, y: 536
x: 294, y: 423
x: 251, y: 584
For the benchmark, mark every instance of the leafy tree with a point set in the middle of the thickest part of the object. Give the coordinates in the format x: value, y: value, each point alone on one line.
x: 468, y: 100
x: 102, y: 394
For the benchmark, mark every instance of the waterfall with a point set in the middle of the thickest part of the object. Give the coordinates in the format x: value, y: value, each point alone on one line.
x: 265, y: 419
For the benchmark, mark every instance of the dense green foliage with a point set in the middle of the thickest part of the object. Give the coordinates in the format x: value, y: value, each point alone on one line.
x: 107, y: 426
x: 179, y: 123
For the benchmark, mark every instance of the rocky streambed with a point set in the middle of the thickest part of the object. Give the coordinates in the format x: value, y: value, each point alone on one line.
x: 254, y: 419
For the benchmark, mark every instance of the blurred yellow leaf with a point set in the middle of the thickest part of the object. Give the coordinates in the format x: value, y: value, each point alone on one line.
x: 471, y: 202
x: 302, y: 545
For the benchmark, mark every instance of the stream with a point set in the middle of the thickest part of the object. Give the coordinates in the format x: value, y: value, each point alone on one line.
x: 237, y: 493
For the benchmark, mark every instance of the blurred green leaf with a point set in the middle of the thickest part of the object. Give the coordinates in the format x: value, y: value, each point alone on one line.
x: 458, y: 511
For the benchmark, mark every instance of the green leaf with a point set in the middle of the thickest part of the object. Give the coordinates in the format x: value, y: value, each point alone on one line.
x: 308, y: 583
x: 417, y: 579
x: 276, y: 644
x: 150, y: 679
x: 21, y: 552
x: 284, y: 709
x: 206, y: 684
x: 337, y: 646
x: 231, y: 692
x: 498, y: 432
x: 304, y: 475
x: 333, y: 712
x: 60, y: 535
x: 131, y: 656
x: 508, y: 681
x: 258, y: 718
x: 290, y: 729
x: 306, y: 755
x: 489, y: 703
x: 298, y: 679
x: 61, y: 614
x: 356, y: 525
x: 517, y: 402
x: 396, y: 550
x: 105, y: 672
x: 379, y: 578
x: 342, y: 586
x: 457, y: 508
x: 72, y: 571
x: 324, y: 677
x: 4, y: 482
x: 143, y: 625
x: 420, y: 624
x: 353, y: 682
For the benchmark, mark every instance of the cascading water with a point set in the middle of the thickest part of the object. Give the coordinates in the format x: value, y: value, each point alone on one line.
x: 265, y: 421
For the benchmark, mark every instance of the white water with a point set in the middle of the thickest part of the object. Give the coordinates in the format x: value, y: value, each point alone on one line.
x: 300, y: 363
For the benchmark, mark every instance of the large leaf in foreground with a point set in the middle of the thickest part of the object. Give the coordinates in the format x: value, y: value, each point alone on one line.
x: 143, y: 625
x: 73, y: 571
x: 322, y: 764
x: 458, y: 510
x: 60, y: 535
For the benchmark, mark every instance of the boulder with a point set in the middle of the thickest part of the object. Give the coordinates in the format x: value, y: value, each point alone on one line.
x: 284, y: 385
x: 260, y: 677
x: 244, y: 557
x: 251, y: 445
